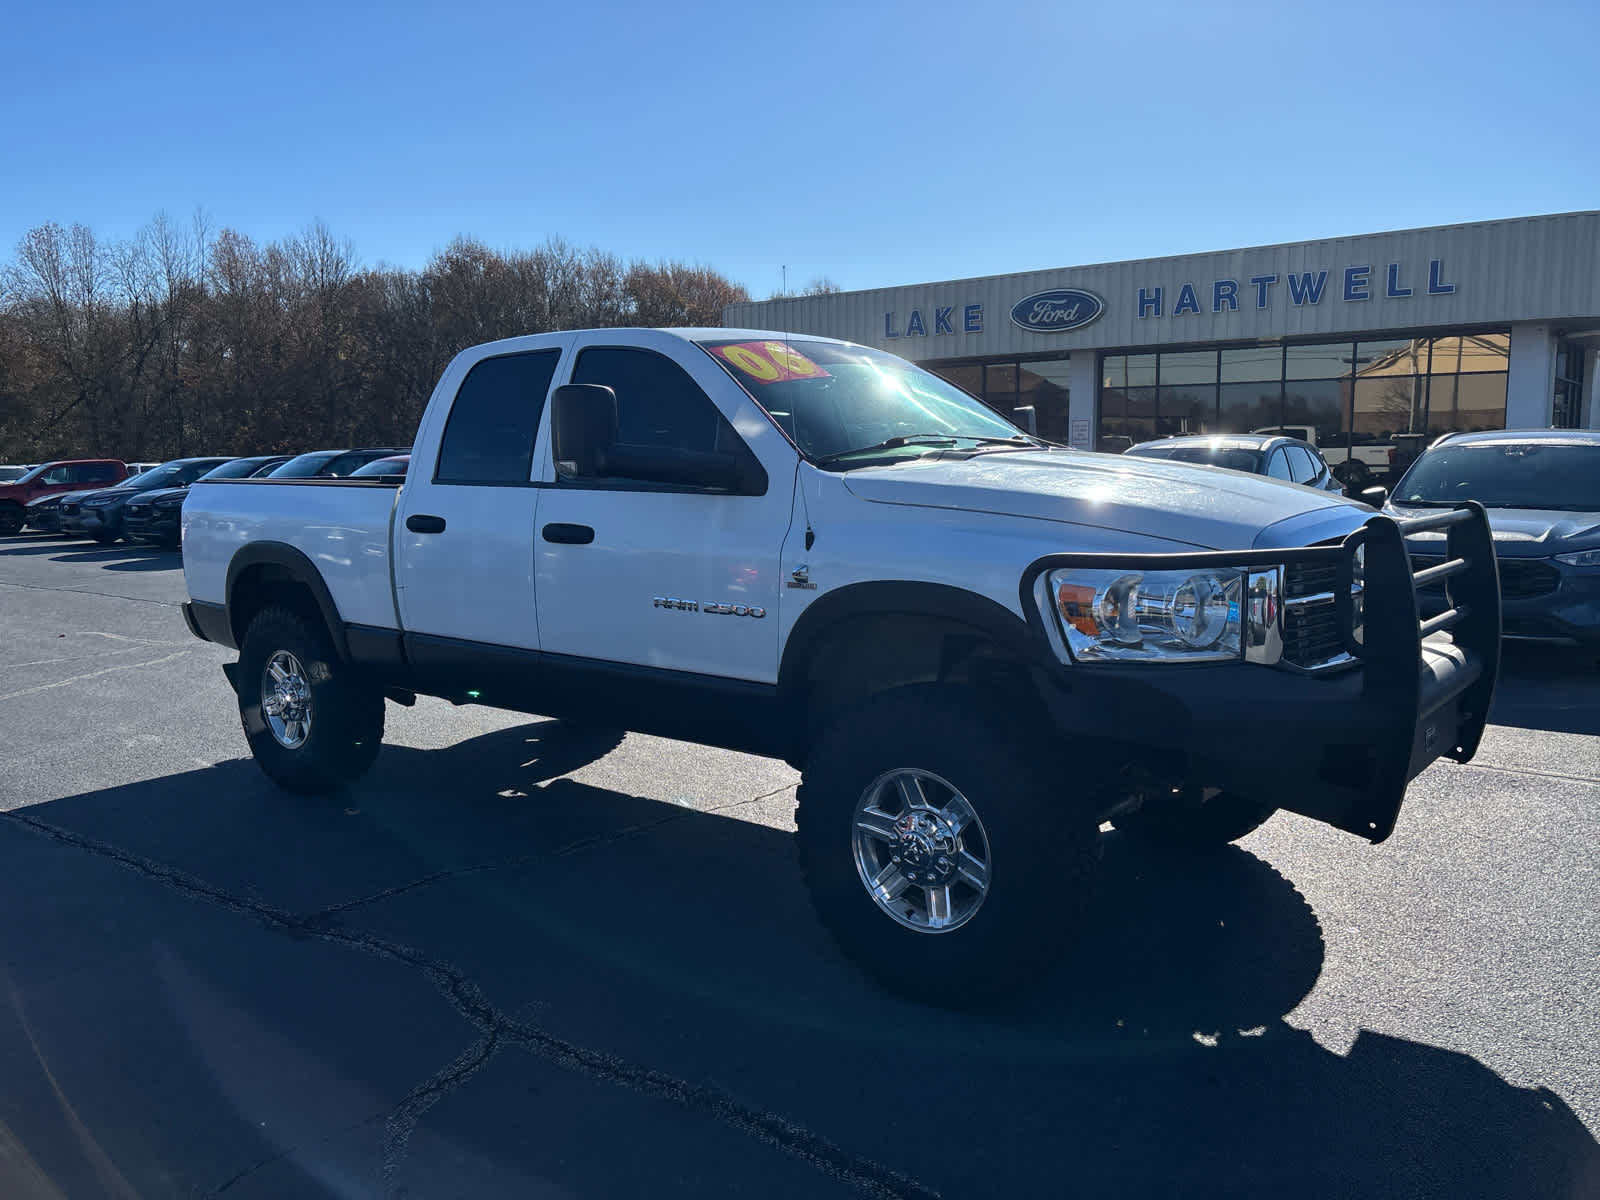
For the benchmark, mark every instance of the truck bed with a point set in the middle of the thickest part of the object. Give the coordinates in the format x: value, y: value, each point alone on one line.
x: 341, y: 525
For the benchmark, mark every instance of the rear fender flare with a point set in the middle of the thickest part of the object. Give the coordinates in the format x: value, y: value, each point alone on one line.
x: 292, y: 566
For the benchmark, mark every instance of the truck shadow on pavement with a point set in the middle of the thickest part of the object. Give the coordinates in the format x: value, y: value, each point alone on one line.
x: 557, y: 988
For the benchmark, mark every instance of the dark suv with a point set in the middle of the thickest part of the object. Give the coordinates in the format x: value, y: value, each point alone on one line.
x: 98, y: 514
x: 53, y: 478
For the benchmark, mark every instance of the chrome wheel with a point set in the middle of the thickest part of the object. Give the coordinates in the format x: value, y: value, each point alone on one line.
x: 921, y: 850
x: 286, y: 700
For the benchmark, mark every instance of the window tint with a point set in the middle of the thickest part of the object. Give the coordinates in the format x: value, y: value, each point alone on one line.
x: 1302, y: 468
x: 1278, y: 465
x: 345, y: 463
x: 494, y: 418
x: 658, y: 405
x: 304, y: 466
x: 59, y: 475
x: 99, y: 473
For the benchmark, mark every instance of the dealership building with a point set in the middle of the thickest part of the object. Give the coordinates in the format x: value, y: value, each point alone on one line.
x: 1375, y: 341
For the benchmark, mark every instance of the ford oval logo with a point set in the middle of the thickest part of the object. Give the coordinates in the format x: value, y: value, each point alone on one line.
x: 1057, y: 311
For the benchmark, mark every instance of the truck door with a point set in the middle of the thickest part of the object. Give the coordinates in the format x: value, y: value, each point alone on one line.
x: 463, y: 531
x: 681, y: 577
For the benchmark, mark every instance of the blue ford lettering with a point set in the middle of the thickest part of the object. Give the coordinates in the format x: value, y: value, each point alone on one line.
x: 1057, y: 311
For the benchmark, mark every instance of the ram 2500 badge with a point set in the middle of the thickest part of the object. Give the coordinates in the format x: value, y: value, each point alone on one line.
x: 976, y: 646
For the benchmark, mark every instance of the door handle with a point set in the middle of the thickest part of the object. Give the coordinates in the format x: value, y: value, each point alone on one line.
x: 569, y: 535
x: 423, y: 523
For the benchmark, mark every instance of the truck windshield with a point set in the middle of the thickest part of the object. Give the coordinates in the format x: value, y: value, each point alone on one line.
x: 1507, y: 475
x: 832, y: 399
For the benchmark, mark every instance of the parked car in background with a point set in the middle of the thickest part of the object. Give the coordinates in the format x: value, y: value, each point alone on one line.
x: 393, y: 467
x: 333, y: 464
x: 43, y: 515
x: 140, y: 468
x: 1542, y: 490
x: 1365, y: 460
x: 11, y: 472
x: 154, y: 516
x: 98, y: 514
x: 52, y: 479
x: 1285, y: 458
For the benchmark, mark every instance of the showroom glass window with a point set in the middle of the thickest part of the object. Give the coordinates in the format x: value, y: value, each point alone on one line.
x: 1367, y: 405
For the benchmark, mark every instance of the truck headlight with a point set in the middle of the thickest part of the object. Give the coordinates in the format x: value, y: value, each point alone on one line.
x: 1150, y: 616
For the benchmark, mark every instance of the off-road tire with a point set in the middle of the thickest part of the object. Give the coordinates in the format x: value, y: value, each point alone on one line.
x: 12, y: 519
x: 1043, y: 850
x: 1178, y: 825
x: 346, y: 728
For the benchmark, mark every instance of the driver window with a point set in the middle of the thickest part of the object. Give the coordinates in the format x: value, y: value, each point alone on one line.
x: 662, y: 416
x: 58, y: 475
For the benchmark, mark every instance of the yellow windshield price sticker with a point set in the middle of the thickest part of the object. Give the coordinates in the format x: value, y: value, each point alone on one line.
x: 768, y: 362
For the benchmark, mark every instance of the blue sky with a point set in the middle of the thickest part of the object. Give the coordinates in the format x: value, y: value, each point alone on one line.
x: 874, y: 143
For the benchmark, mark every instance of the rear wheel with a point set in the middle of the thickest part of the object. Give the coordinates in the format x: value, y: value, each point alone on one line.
x: 312, y: 724
x: 938, y: 850
x: 1188, y: 823
x: 11, y: 519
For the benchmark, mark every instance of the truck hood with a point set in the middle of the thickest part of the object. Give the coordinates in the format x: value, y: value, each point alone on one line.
x: 1199, y: 506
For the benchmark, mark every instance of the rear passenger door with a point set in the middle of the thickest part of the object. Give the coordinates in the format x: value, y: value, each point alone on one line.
x: 463, y: 528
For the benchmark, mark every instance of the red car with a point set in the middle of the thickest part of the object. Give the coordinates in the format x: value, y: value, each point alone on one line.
x: 63, y: 475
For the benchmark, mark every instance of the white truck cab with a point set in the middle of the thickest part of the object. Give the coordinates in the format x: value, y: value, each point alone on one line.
x: 976, y: 645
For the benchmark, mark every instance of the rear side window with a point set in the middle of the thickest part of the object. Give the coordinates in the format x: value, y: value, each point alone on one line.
x: 99, y: 473
x: 1278, y: 465
x: 1302, y: 467
x: 495, y: 418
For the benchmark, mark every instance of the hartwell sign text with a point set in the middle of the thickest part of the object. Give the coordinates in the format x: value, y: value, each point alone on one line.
x: 1304, y: 288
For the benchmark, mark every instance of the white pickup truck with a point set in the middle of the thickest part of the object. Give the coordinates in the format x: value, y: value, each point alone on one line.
x: 977, y: 646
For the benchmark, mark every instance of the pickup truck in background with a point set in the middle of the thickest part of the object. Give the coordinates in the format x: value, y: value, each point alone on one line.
x: 976, y: 646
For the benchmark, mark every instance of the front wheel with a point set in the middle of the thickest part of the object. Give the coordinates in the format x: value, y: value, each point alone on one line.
x: 313, y: 726
x: 938, y: 849
x: 1189, y: 823
x: 11, y: 519
x: 104, y: 538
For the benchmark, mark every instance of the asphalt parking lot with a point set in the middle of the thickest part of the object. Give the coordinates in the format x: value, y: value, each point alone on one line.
x: 516, y: 961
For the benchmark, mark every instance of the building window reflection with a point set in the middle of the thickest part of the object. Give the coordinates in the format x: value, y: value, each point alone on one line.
x: 1368, y: 405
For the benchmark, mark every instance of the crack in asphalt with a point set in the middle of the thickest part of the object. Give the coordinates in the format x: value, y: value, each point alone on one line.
x: 45, y: 687
x: 36, y: 587
x: 498, y: 1029
x: 1478, y: 766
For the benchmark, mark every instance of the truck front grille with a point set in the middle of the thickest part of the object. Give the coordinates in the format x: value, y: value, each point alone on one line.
x: 1312, y: 638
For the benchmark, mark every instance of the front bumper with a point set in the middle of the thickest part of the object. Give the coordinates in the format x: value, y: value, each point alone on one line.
x: 1567, y: 613
x: 84, y: 521
x: 152, y: 524
x: 44, y: 520
x: 1339, y: 746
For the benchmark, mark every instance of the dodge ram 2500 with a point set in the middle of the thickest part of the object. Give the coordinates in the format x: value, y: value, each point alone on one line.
x: 978, y: 647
